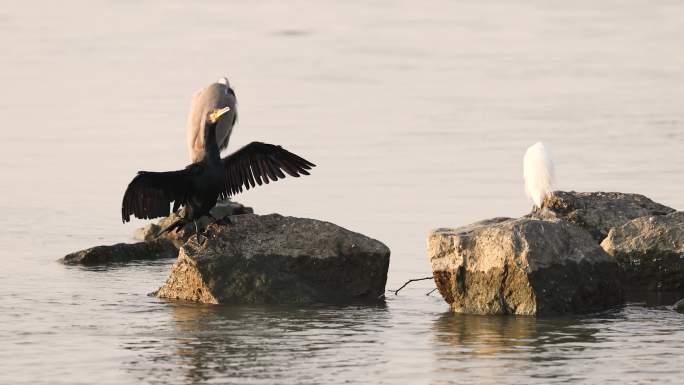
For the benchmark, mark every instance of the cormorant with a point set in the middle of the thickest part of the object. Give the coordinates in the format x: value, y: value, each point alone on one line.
x: 213, y: 97
x: 199, y: 185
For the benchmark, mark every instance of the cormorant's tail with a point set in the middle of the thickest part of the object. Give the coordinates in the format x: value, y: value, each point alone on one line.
x: 179, y: 223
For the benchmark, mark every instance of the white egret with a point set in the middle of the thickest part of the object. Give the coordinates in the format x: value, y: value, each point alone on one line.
x: 213, y: 97
x: 539, y: 174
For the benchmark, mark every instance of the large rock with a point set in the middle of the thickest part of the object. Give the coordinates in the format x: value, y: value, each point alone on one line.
x: 650, y: 251
x: 522, y: 266
x: 598, y: 212
x: 276, y: 259
x: 122, y: 252
x: 222, y: 210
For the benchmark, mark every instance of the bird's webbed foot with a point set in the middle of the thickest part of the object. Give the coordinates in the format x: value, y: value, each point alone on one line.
x: 201, y: 239
x: 198, y: 234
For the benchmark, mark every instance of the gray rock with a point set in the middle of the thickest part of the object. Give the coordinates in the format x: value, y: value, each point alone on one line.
x: 276, y: 259
x: 122, y: 252
x: 522, y: 266
x: 679, y: 306
x: 598, y: 212
x: 222, y: 209
x: 650, y: 251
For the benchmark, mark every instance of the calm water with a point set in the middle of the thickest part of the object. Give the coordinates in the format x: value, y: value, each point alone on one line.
x: 417, y: 115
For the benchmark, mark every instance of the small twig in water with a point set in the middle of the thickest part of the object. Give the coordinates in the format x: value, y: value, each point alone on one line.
x: 431, y: 291
x: 409, y: 281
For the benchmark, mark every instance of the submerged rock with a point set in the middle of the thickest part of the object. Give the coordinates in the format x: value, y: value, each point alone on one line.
x: 221, y: 210
x: 122, y: 252
x: 522, y: 266
x: 277, y: 259
x: 679, y: 306
x: 650, y: 251
x: 598, y: 212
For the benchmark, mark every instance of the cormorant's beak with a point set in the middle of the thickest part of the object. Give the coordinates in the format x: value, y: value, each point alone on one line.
x: 216, y: 114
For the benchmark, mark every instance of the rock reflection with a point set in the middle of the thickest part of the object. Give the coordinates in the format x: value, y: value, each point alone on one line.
x: 506, y: 349
x: 473, y: 335
x: 261, y: 343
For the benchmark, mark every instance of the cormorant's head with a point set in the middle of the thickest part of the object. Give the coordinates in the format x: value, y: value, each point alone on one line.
x: 216, y: 114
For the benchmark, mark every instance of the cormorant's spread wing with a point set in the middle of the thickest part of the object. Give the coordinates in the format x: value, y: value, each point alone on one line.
x: 150, y: 193
x: 258, y: 162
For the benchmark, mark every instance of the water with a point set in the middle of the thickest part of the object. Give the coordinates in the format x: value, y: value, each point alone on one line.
x: 417, y: 115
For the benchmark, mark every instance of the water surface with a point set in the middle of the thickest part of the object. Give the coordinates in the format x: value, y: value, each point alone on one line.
x: 416, y: 113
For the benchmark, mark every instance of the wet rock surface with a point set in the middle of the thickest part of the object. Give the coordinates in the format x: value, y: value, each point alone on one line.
x: 122, y: 252
x: 598, y: 212
x: 650, y: 251
x: 522, y: 266
x: 277, y: 259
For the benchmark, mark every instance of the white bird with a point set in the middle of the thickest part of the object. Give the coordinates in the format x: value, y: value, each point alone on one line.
x: 214, y: 97
x: 539, y: 174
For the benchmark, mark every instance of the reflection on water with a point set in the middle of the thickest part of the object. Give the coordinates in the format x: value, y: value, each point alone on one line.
x: 553, y: 350
x: 263, y: 344
x: 206, y: 344
x: 471, y: 335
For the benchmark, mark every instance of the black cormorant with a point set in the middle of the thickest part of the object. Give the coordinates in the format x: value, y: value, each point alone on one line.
x: 199, y: 185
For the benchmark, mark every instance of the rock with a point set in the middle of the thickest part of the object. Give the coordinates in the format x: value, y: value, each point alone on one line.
x: 650, y: 251
x: 122, y: 252
x: 221, y: 210
x: 276, y: 259
x: 522, y: 266
x: 598, y: 212
x: 679, y: 306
